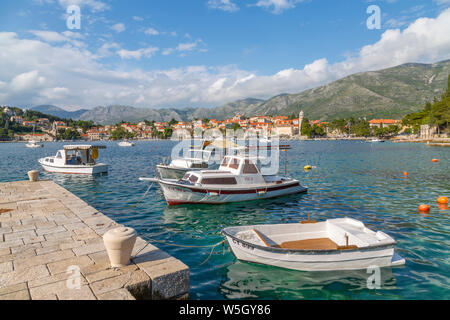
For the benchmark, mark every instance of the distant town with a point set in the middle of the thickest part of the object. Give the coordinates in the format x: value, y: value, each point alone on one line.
x: 17, y: 124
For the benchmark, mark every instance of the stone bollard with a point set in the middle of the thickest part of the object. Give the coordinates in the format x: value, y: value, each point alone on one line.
x: 33, y: 175
x: 119, y: 244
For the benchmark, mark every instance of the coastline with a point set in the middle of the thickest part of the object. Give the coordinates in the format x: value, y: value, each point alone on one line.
x: 445, y: 142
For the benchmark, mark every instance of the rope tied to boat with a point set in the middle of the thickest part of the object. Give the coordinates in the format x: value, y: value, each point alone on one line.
x: 212, y: 246
x: 148, y: 189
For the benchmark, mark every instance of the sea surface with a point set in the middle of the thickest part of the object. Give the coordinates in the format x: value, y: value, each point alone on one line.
x: 354, y: 179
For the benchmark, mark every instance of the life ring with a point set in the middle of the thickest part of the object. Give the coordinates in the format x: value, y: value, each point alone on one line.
x: 94, y: 153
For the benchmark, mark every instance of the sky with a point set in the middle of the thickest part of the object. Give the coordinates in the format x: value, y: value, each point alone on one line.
x: 204, y: 53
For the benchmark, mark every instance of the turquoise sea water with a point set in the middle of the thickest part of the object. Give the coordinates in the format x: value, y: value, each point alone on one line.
x: 360, y: 180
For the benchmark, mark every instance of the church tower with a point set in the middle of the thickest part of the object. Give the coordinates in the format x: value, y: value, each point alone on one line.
x: 300, y: 121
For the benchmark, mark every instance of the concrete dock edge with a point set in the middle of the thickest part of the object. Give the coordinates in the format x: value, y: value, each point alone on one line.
x: 51, y: 247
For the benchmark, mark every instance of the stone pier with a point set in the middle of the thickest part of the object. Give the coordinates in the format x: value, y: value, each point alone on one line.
x: 51, y: 247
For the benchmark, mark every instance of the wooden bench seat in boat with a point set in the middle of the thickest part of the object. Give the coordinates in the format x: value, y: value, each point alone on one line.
x: 310, y: 244
x: 306, y: 244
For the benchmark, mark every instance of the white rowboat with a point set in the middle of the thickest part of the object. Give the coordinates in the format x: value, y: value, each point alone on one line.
x: 334, y: 244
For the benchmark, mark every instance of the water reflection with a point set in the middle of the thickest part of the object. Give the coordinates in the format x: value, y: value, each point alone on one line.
x: 212, y: 219
x: 250, y: 281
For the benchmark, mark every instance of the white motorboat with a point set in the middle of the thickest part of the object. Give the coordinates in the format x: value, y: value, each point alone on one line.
x: 376, y: 140
x: 238, y: 179
x: 34, y: 144
x: 177, y: 168
x: 126, y: 143
x: 77, y: 159
x: 334, y: 244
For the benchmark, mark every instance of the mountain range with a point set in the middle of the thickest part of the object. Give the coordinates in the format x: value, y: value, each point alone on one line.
x: 387, y: 93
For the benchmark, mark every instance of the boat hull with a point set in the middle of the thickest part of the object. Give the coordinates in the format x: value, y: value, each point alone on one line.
x: 176, y: 194
x: 75, y: 169
x: 315, y: 261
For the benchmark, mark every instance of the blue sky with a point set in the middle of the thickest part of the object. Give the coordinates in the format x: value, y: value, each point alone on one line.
x: 204, y: 52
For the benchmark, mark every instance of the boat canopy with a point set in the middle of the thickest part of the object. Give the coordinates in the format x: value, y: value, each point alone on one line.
x: 83, y: 147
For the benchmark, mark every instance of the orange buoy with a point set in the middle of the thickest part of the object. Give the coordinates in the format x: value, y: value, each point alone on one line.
x: 405, y: 174
x: 442, y: 200
x: 424, y: 208
x: 435, y: 160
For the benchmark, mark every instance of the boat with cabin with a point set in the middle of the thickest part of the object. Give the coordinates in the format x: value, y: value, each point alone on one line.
x: 126, y: 143
x: 197, y: 159
x: 237, y: 179
x: 334, y: 244
x: 76, y: 159
x: 34, y: 144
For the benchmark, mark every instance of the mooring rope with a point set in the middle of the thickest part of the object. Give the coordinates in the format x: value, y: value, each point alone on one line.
x: 148, y: 190
x: 186, y: 246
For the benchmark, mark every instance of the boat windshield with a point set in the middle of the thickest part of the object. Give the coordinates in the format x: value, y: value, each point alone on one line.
x: 190, y: 177
x: 234, y: 163
x: 225, y: 162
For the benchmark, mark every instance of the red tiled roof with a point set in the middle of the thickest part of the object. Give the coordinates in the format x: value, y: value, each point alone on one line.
x: 384, y: 121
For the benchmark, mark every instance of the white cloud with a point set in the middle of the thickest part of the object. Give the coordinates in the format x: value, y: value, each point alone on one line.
x: 49, y: 36
x: 137, y: 54
x: 118, y: 27
x: 167, y: 51
x: 151, y: 32
x: 225, y: 5
x: 137, y: 18
x: 442, y: 2
x: 104, y: 50
x: 94, y: 5
x: 189, y: 46
x: 38, y: 71
x: 27, y: 81
x: 277, y: 6
x: 52, y: 36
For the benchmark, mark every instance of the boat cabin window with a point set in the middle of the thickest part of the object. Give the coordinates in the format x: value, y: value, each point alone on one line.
x: 199, y: 165
x: 193, y: 178
x: 225, y: 162
x: 219, y: 180
x: 58, y: 155
x: 249, y: 168
x: 234, y: 163
x: 190, y: 177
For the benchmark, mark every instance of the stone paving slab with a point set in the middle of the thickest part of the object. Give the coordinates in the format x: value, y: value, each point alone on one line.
x: 51, y: 247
